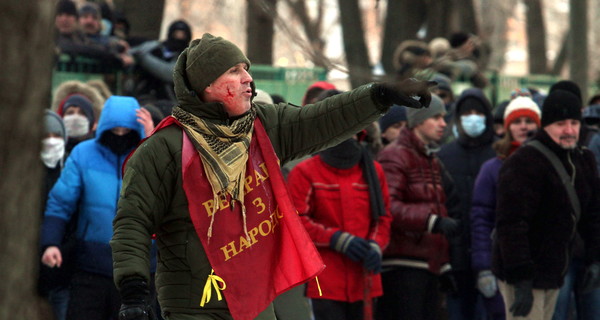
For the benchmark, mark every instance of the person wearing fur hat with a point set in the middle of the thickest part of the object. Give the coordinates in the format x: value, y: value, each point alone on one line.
x: 521, y: 118
x: 156, y: 60
x: 416, y: 261
x: 462, y: 158
x: 208, y: 184
x: 538, y: 218
x: 88, y: 188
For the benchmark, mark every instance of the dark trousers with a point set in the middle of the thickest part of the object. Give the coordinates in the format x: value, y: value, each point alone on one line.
x: 409, y: 294
x: 325, y: 309
x: 93, y: 297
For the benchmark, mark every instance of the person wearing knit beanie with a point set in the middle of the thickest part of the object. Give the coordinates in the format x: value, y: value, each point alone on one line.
x: 418, y: 116
x: 80, y: 105
x: 208, y: 58
x: 391, y: 123
x: 200, y: 159
x: 53, y: 143
x: 567, y: 85
x: 521, y: 107
x: 66, y: 7
x: 560, y: 105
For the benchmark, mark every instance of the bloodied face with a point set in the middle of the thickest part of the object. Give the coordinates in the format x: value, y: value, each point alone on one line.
x: 232, y: 89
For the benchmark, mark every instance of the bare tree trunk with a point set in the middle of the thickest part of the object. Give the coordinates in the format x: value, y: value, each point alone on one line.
x: 438, y: 18
x: 26, y: 55
x: 561, y: 59
x: 145, y: 17
x: 260, y: 30
x: 312, y: 29
x: 355, y: 48
x: 579, y: 45
x: 536, y: 38
x: 494, y: 16
x: 403, y: 19
x: 466, y: 16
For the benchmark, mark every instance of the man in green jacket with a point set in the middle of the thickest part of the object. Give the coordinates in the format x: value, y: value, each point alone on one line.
x: 207, y: 185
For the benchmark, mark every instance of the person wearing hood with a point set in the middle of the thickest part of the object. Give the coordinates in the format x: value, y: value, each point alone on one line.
x: 416, y: 263
x: 89, y: 185
x: 156, y: 61
x: 53, y: 284
x: 462, y: 159
x: 208, y: 184
x: 350, y: 235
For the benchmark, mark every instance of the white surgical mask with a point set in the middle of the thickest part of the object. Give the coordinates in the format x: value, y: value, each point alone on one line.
x: 76, y: 125
x: 473, y: 125
x: 53, y: 150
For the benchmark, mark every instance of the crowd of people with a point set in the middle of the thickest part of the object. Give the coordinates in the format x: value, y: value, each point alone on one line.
x: 196, y: 195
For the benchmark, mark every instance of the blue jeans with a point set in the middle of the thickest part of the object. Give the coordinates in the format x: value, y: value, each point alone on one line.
x: 59, y: 299
x: 587, y: 306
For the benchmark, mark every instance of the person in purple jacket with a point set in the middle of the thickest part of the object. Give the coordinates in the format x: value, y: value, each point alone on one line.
x: 521, y: 119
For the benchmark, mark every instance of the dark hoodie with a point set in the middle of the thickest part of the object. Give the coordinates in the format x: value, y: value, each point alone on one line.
x: 463, y: 158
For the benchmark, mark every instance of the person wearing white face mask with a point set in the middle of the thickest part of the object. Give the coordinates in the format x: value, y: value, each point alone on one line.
x: 79, y: 120
x: 462, y: 159
x: 53, y: 284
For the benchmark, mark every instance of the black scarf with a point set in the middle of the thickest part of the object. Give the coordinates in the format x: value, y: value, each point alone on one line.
x: 346, y: 155
x: 120, y: 145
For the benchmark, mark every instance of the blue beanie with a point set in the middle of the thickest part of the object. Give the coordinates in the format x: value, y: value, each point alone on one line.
x: 394, y: 115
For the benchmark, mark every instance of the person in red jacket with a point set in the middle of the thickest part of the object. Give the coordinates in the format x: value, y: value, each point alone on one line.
x: 418, y: 251
x: 342, y: 197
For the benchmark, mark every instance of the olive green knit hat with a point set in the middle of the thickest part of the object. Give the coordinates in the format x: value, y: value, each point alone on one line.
x: 208, y: 58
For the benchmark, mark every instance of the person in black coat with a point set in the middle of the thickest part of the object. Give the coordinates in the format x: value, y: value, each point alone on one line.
x: 536, y: 221
x: 462, y: 159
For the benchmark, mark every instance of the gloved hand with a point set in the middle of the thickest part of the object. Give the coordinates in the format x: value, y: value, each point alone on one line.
x: 372, y: 261
x: 446, y: 226
x: 591, y: 278
x: 486, y: 283
x: 354, y: 247
x: 448, y: 283
x: 523, y: 298
x: 134, y: 300
x: 402, y: 93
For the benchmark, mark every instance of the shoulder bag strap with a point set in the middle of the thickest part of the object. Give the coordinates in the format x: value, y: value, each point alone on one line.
x: 564, y: 176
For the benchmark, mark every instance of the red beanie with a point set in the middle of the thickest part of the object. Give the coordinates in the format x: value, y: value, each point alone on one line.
x: 521, y: 107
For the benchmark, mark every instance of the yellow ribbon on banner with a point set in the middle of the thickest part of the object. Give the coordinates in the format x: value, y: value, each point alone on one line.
x: 212, y: 281
x: 319, y: 287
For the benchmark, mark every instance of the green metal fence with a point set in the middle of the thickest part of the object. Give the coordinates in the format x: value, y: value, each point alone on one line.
x: 290, y: 83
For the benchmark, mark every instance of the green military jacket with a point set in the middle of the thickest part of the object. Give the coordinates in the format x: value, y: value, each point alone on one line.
x: 153, y: 200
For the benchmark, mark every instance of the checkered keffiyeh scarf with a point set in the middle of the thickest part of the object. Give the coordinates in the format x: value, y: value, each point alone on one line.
x: 223, y: 150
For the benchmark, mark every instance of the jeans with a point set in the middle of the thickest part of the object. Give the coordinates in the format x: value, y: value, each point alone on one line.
x: 586, y: 306
x: 59, y: 299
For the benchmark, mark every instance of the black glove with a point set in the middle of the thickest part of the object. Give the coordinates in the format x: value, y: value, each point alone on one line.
x: 354, y: 247
x: 446, y: 226
x: 402, y: 93
x: 591, y: 278
x: 135, y: 303
x: 448, y: 283
x: 372, y: 261
x: 523, y: 298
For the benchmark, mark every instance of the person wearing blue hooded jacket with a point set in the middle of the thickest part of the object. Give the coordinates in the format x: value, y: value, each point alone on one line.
x: 90, y: 184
